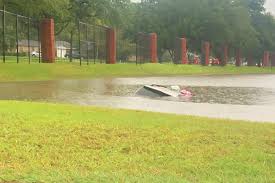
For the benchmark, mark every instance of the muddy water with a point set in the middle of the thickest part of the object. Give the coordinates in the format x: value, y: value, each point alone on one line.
x: 249, y: 97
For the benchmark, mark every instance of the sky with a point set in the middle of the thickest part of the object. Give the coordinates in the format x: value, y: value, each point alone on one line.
x: 270, y: 5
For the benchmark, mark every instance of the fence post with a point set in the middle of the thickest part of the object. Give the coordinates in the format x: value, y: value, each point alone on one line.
x: 184, y: 57
x: 238, y: 57
x: 39, y: 42
x: 47, y: 41
x: 79, y: 43
x: 29, y: 48
x: 17, y: 44
x: 111, y: 46
x: 71, y: 47
x: 137, y: 39
x: 3, y: 33
x: 153, y: 48
x: 87, y: 44
x: 94, y: 46
x: 206, y: 53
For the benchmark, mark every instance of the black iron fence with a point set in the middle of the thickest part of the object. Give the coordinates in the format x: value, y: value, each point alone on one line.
x: 20, y: 39
x: 126, y: 49
x: 272, y: 59
x: 177, y: 55
x: 143, y: 48
x: 84, y: 43
x: 92, y: 43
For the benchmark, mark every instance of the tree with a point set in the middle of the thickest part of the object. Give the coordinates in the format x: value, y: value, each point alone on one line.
x: 218, y: 21
x: 69, y: 12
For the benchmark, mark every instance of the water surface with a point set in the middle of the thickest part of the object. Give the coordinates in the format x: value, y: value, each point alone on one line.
x: 248, y: 97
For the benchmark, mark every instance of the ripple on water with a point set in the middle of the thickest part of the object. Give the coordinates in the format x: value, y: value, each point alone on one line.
x: 68, y: 91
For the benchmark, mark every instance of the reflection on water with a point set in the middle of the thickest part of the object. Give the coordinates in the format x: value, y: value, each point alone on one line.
x: 78, y: 91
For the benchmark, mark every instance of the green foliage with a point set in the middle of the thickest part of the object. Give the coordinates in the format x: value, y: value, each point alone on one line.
x: 68, y: 12
x: 240, y: 24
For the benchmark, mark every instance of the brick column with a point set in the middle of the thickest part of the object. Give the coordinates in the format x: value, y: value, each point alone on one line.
x: 184, y: 57
x: 153, y: 48
x: 238, y: 57
x: 47, y: 41
x: 111, y: 46
x: 206, y: 54
x: 266, y: 59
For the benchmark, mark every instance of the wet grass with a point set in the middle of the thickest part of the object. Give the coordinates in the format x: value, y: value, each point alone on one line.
x: 65, y: 143
x: 64, y: 70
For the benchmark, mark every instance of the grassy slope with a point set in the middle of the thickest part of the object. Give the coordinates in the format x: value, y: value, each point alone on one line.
x: 63, y: 143
x: 35, y: 71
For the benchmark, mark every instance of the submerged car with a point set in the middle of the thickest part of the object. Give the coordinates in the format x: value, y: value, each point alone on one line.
x: 163, y: 91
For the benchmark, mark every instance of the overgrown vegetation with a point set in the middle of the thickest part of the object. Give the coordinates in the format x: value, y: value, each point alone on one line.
x: 63, y: 143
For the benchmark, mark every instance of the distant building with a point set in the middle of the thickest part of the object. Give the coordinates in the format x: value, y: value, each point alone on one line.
x: 62, y: 48
x: 23, y: 46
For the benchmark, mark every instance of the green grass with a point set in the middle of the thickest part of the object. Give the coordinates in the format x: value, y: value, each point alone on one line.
x: 62, y: 70
x: 64, y: 143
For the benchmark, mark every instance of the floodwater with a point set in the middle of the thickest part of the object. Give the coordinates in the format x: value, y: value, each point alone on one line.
x: 243, y: 97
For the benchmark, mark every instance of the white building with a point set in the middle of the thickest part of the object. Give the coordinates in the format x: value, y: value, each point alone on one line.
x: 62, y: 48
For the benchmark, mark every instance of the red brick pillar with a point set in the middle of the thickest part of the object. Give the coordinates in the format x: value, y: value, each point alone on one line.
x: 206, y: 53
x: 225, y: 55
x: 238, y: 57
x: 47, y: 41
x: 111, y: 46
x: 184, y: 57
x: 266, y: 59
x: 153, y: 48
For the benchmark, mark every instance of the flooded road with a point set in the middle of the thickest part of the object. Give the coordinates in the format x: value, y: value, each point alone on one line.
x: 245, y: 97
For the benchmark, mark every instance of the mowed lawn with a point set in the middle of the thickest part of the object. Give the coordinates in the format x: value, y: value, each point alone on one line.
x: 66, y: 70
x: 64, y: 143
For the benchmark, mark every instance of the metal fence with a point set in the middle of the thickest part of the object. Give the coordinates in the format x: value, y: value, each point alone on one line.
x: 66, y: 45
x: 272, y: 59
x: 143, y: 48
x: 194, y: 51
x: 84, y: 43
x: 126, y: 48
x: 92, y: 43
x: 20, y: 39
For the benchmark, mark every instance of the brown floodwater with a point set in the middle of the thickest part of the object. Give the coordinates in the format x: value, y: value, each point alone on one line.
x: 245, y: 97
